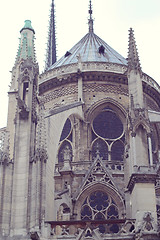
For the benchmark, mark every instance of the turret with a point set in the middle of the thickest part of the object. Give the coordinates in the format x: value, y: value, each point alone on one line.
x: 25, y: 66
x: 22, y: 121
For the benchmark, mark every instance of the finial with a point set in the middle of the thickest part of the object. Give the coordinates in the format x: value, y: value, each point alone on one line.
x: 27, y: 25
x: 90, y: 20
x: 133, y: 58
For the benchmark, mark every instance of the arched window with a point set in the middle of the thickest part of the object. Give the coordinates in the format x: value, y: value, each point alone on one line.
x: 154, y: 141
x: 65, y: 149
x: 100, y: 147
x: 66, y: 130
x: 100, y: 206
x: 117, y: 151
x: 108, y: 136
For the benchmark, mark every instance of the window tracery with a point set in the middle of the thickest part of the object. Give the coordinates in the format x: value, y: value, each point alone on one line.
x: 66, y: 130
x: 100, y: 206
x: 108, y: 136
x: 65, y: 150
x: 154, y: 142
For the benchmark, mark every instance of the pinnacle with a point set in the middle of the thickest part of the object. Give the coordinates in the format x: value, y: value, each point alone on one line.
x: 133, y: 58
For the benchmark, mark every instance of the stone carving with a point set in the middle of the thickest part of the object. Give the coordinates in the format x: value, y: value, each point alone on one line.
x: 65, y: 230
x: 98, y: 173
x: 40, y: 155
x: 126, y: 153
x: 23, y: 110
x: 148, y: 221
x: 147, y: 225
x: 67, y: 153
x: 34, y: 236
x: 128, y: 227
x: 4, y: 158
x: 34, y: 103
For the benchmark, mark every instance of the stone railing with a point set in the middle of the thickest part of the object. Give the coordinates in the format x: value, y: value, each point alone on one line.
x: 115, y: 166
x: 112, y: 229
x: 150, y: 81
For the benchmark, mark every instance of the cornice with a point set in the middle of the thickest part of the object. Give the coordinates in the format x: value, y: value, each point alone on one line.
x: 94, y: 76
x: 94, y: 71
x: 141, y: 178
x: 86, y: 67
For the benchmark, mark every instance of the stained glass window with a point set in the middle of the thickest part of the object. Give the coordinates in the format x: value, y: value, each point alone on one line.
x: 100, y: 147
x: 65, y: 150
x: 117, y: 151
x: 108, y: 125
x: 108, y: 136
x: 100, y: 206
x: 66, y: 129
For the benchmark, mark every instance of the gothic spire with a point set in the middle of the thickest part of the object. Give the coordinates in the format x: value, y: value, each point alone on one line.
x: 134, y: 74
x: 90, y: 20
x: 26, y: 48
x: 133, y: 58
x: 51, y: 46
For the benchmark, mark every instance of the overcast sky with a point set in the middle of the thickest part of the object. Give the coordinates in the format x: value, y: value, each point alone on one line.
x: 112, y: 20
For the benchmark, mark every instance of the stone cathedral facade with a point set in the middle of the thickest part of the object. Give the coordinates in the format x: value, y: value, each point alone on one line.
x: 79, y: 158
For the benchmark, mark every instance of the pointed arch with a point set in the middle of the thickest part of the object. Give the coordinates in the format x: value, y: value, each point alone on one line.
x: 66, y: 131
x: 106, y: 102
x: 99, y: 146
x: 107, y: 120
x: 141, y: 122
x: 117, y: 151
x: 103, y: 187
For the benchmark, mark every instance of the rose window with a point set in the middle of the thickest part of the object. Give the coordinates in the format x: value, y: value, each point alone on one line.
x: 108, y: 125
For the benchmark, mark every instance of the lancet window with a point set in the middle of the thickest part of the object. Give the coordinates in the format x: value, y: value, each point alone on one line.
x: 65, y: 149
x: 154, y: 141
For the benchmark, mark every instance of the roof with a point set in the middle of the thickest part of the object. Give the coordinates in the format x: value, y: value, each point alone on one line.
x: 26, y: 48
x: 27, y: 25
x: 90, y: 48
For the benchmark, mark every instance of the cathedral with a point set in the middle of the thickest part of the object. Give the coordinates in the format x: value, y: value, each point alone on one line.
x: 79, y: 157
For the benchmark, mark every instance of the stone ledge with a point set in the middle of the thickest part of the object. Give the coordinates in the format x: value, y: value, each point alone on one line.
x: 141, y: 178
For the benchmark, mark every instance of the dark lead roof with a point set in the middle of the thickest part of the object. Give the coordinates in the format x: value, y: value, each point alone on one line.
x: 90, y: 48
